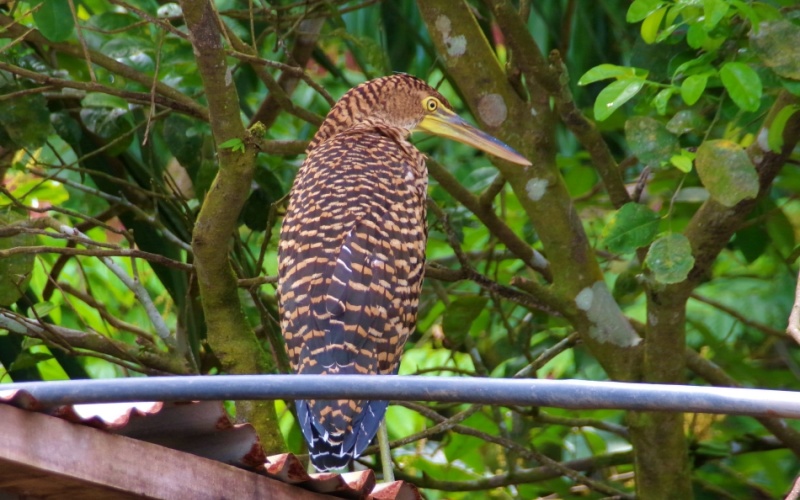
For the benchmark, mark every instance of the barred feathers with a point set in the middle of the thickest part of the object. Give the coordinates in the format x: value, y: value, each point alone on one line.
x: 351, y: 257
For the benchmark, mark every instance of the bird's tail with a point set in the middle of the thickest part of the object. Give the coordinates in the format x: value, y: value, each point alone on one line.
x: 334, y: 449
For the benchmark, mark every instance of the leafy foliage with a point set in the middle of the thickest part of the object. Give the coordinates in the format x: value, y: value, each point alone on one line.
x: 678, y: 189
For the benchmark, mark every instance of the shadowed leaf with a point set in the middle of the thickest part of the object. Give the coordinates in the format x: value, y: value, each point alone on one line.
x: 670, y: 258
x: 633, y: 226
x: 726, y: 171
x: 650, y: 140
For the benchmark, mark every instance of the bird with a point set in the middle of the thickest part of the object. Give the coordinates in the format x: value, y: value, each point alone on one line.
x: 351, y: 253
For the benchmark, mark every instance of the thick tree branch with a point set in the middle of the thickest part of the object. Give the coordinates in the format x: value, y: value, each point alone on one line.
x: 552, y: 79
x: 229, y: 333
x: 713, y: 224
x: 528, y: 127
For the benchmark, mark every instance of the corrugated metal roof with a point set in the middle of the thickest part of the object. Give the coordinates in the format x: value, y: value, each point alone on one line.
x: 204, y: 429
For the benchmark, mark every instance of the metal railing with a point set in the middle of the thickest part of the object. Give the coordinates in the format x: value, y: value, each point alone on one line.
x: 574, y: 394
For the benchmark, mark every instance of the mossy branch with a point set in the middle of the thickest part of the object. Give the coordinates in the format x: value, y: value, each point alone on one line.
x: 229, y: 333
x: 529, y: 126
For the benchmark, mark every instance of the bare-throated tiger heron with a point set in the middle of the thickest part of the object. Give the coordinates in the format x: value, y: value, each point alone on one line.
x: 352, y: 249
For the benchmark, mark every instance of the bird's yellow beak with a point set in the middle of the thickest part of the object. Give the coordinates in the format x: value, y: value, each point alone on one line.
x: 445, y: 123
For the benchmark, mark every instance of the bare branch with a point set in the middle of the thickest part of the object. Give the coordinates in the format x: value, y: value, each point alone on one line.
x: 793, y: 329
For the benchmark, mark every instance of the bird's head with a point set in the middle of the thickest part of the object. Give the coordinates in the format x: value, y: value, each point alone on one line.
x: 407, y: 103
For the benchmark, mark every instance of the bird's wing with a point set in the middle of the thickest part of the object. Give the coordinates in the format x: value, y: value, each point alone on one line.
x: 351, y: 257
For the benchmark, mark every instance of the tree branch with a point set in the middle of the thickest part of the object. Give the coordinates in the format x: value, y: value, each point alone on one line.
x: 122, y: 353
x: 229, y: 333
x: 184, y: 102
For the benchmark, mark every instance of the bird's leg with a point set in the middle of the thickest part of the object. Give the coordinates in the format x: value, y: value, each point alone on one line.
x: 386, y: 453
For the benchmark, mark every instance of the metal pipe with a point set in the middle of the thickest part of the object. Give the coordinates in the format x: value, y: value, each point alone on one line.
x: 574, y: 394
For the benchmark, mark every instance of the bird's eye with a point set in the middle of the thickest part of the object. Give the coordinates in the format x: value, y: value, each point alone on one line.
x: 431, y: 104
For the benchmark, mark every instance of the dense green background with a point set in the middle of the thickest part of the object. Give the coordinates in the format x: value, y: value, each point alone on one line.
x: 664, y: 181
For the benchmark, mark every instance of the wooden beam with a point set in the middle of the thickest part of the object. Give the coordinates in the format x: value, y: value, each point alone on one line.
x: 46, y: 456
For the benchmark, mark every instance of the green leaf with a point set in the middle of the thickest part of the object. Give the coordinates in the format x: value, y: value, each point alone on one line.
x: 606, y: 71
x: 670, y: 258
x: 742, y: 84
x: 269, y: 182
x: 713, y: 12
x: 15, y: 271
x: 696, y: 36
x: 746, y: 11
x: 44, y: 308
x: 633, y: 226
x: 183, y: 142
x: 113, y: 125
x: 652, y: 22
x: 661, y: 100
x: 778, y: 125
x: 255, y: 212
x: 752, y: 241
x: 686, y: 120
x: 693, y: 87
x: 726, y: 171
x: 793, y: 87
x: 615, y: 95
x: 54, y: 20
x: 29, y: 342
x: 780, y: 231
x: 458, y: 318
x: 682, y: 163
x: 100, y: 100
x: 776, y: 44
x: 626, y: 286
x: 29, y: 360
x: 234, y: 145
x: 640, y: 9
x: 650, y: 140
x: 26, y: 120
x: 403, y: 422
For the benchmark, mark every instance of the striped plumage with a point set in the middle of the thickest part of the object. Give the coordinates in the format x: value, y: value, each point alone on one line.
x: 352, y: 251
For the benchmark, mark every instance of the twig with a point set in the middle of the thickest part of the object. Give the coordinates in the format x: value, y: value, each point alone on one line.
x: 619, y: 430
x: 496, y: 187
x: 586, y: 133
x: 169, y: 235
x: 256, y: 281
x: 122, y: 252
x: 164, y: 24
x: 794, y: 494
x: 541, y: 303
x: 548, y: 354
x: 93, y: 344
x: 135, y: 286
x: 527, y: 453
x: 22, y: 93
x: 717, y: 376
x: 153, y: 87
x: 525, y: 476
x: 493, y: 223
x: 793, y: 328
x: 110, y: 318
x: 766, y: 329
x: 173, y: 97
x: 79, y: 32
x: 97, y: 87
